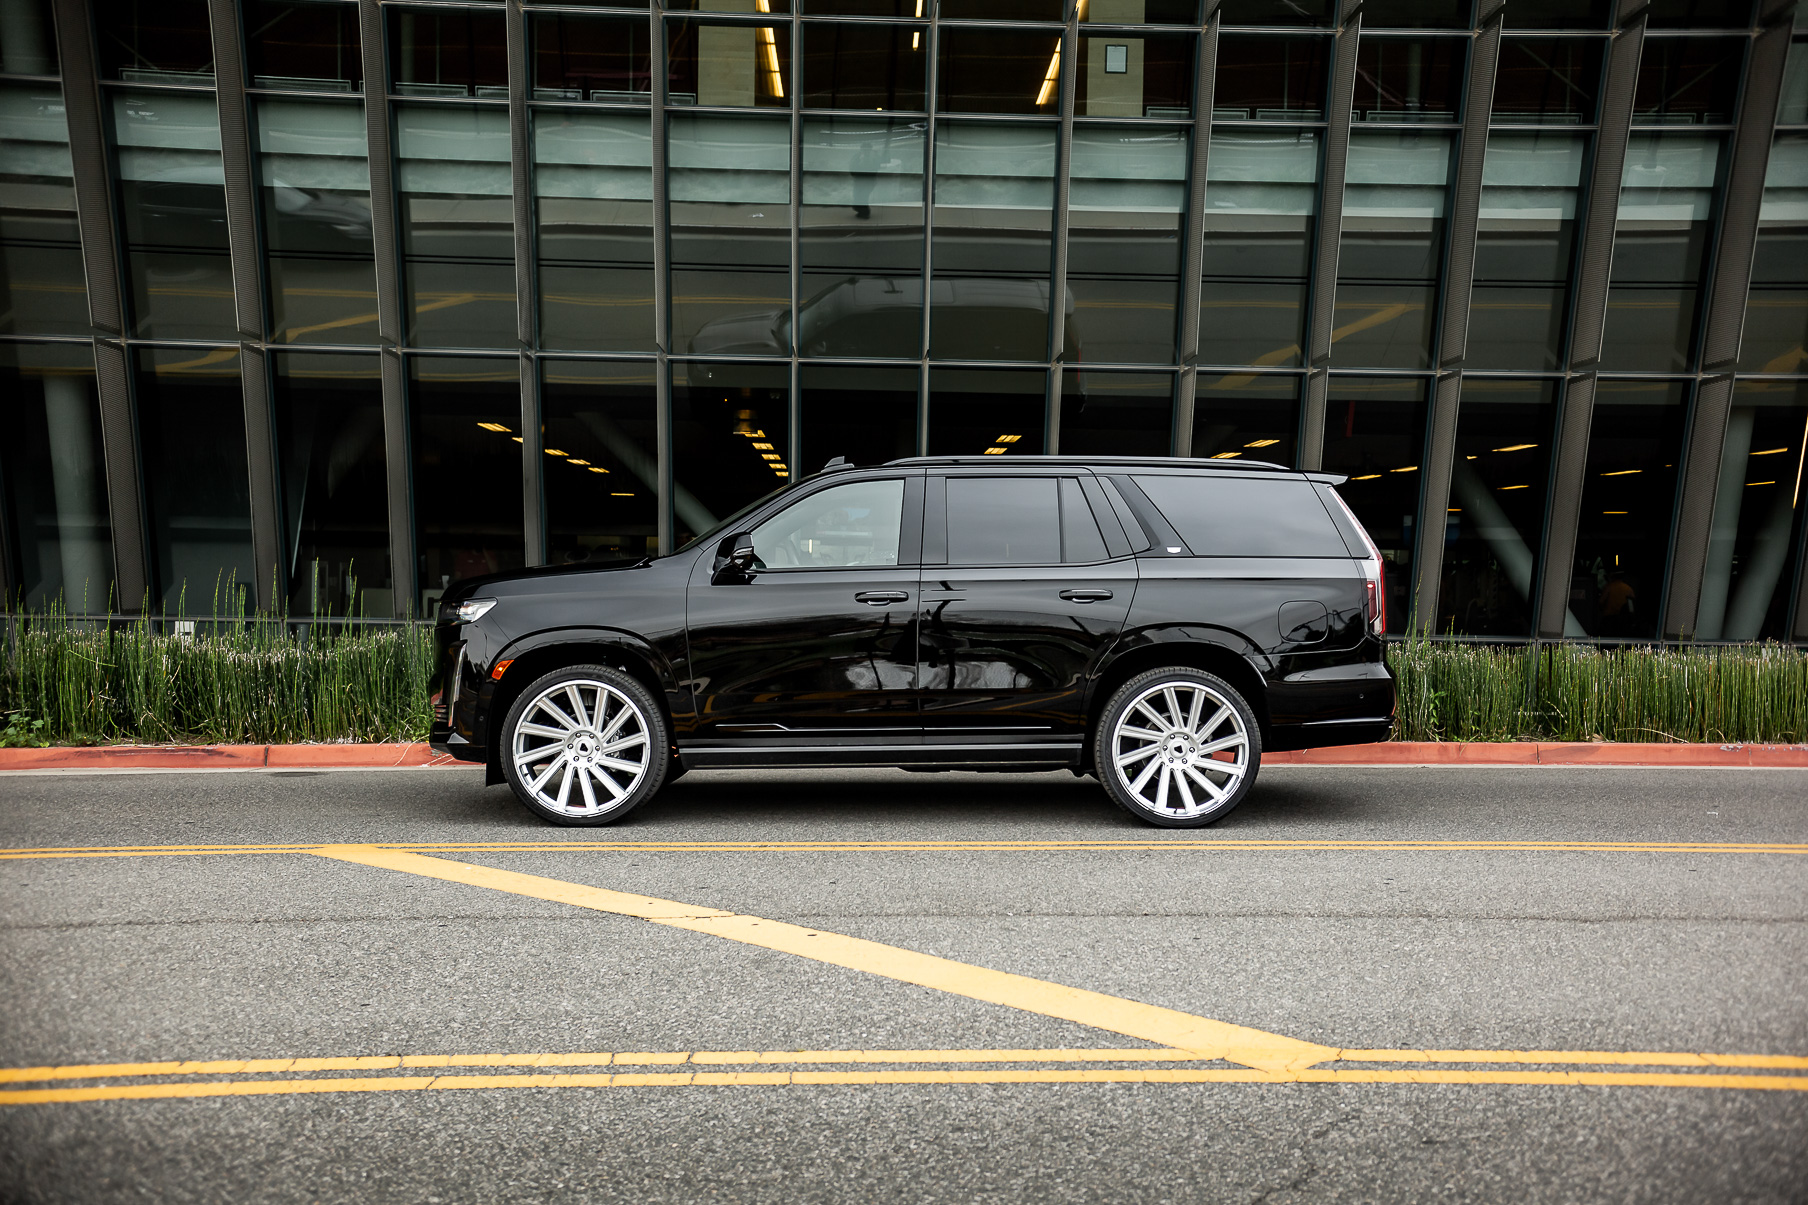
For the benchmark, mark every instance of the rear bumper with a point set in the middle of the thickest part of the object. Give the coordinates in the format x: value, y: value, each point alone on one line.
x: 1326, y: 733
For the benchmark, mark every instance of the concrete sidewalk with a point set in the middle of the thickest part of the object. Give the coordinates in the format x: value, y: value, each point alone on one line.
x: 1392, y: 753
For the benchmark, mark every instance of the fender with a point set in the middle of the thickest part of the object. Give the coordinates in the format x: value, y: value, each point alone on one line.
x: 1200, y: 641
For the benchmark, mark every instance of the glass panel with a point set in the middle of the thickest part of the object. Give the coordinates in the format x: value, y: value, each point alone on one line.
x: 1127, y: 195
x: 56, y: 521
x: 28, y: 38
x: 862, y: 237
x: 859, y: 523
x: 1003, y: 521
x: 1416, y: 14
x: 994, y: 213
x: 458, y: 222
x: 447, y: 52
x: 1628, y: 498
x: 316, y: 197
x: 1409, y: 79
x: 722, y: 416
x: 731, y: 242
x: 602, y: 495
x: 1249, y: 417
x: 868, y: 415
x: 1560, y: 14
x: 975, y: 410
x: 1547, y: 81
x: 1754, y: 546
x: 1375, y: 434
x: 871, y: 67
x: 1269, y: 78
x: 1776, y: 315
x: 731, y: 6
x: 1660, y: 250
x: 172, y: 194
x: 1123, y: 76
x: 1140, y: 12
x: 593, y: 189
x: 998, y: 71
x: 198, y: 499
x: 865, y: 8
x: 1393, y: 238
x: 588, y: 58
x: 42, y: 288
x: 165, y: 43
x: 466, y: 420
x: 1277, y: 12
x: 1688, y: 81
x: 639, y: 4
x: 738, y: 65
x: 1003, y: 10
x: 329, y: 436
x: 1261, y: 204
x: 1117, y: 413
x: 307, y: 44
x: 1700, y: 14
x: 1497, y: 504
x: 1792, y: 104
x: 1525, y: 240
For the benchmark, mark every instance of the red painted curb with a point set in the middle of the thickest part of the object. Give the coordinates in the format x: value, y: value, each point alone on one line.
x: 1391, y: 753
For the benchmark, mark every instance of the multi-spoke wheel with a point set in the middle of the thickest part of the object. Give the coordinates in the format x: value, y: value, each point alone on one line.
x: 1177, y: 747
x: 584, y: 745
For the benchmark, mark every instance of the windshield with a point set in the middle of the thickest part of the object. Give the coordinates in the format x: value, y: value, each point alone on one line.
x: 727, y: 525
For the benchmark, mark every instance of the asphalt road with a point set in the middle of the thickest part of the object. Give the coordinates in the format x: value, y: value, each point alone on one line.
x: 1484, y: 940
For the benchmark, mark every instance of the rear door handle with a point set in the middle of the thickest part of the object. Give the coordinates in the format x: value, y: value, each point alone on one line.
x: 878, y: 598
x: 1086, y: 596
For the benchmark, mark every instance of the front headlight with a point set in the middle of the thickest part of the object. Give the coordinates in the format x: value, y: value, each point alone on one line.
x: 473, y: 609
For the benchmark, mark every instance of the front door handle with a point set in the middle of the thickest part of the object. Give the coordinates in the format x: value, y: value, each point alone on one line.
x: 1086, y: 596
x: 879, y: 598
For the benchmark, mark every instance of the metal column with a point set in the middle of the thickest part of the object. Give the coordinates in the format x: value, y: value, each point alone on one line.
x: 1330, y: 235
x: 533, y: 505
x: 93, y: 176
x: 1192, y: 259
x: 1725, y: 321
x: 1453, y: 334
x: 1593, y: 274
x: 662, y: 271
x: 1057, y: 272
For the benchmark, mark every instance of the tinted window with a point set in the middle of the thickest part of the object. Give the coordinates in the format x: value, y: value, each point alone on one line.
x: 1003, y: 521
x: 852, y: 524
x: 1080, y: 538
x: 1229, y: 516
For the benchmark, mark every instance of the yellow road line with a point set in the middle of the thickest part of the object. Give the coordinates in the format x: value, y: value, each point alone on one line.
x: 1167, y: 1027
x: 1223, y: 845
x: 795, y: 1058
x: 420, y: 1083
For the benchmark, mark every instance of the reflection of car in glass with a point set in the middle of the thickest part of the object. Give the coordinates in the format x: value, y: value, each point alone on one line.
x: 973, y: 319
x: 1155, y: 622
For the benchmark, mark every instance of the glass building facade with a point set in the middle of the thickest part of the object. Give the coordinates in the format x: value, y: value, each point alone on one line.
x: 333, y: 302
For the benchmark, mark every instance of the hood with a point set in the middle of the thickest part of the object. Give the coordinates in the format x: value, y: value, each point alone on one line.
x: 470, y: 587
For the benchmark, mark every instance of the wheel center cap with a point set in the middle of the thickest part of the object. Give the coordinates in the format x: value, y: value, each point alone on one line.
x: 1179, y: 750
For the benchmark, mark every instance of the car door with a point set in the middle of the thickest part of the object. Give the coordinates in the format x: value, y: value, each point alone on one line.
x: 817, y: 644
x: 1022, y: 596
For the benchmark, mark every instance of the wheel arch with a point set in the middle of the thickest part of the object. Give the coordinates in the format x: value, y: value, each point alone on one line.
x: 1192, y: 648
x: 542, y: 654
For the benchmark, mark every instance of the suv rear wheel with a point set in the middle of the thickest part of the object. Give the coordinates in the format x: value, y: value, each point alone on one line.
x: 1177, y: 747
x: 585, y: 745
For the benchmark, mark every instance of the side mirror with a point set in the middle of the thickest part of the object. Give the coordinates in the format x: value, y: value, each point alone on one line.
x: 734, y: 560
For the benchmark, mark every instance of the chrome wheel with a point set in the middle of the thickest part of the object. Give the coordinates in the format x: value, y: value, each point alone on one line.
x: 580, y: 748
x: 1180, y: 750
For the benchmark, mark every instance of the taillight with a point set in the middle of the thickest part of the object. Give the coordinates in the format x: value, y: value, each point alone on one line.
x: 1374, y: 607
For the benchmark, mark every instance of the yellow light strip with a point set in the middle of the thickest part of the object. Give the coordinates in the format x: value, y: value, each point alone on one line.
x: 775, y: 78
x: 1049, y: 80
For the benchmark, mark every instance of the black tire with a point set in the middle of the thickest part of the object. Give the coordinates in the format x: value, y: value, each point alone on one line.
x: 577, y: 768
x: 1159, y: 771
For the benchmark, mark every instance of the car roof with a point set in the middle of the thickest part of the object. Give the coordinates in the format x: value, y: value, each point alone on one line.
x: 1109, y: 463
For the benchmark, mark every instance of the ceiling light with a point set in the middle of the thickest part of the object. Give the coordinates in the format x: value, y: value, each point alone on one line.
x: 1616, y: 512
x: 1411, y: 468
x: 517, y: 439
x: 575, y: 460
x: 770, y: 456
x: 1225, y: 455
x: 1749, y: 484
x: 620, y: 495
x: 1622, y: 472
x: 1515, y: 487
x: 493, y: 427
x: 995, y: 451
x: 1770, y: 451
x: 1513, y: 448
x: 1261, y: 443
x: 556, y: 452
x: 594, y: 469
x: 1007, y: 439
x: 764, y: 447
x: 1366, y: 477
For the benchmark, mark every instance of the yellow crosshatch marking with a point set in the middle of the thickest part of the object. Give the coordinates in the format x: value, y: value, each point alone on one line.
x: 1185, y: 1048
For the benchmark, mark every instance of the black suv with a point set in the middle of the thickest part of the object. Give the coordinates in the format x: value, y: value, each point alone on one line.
x: 1157, y: 623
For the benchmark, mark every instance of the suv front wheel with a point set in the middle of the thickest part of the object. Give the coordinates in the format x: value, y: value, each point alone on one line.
x: 1177, y: 747
x: 585, y: 745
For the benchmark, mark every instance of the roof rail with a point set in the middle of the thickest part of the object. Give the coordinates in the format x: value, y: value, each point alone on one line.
x: 1113, y: 461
